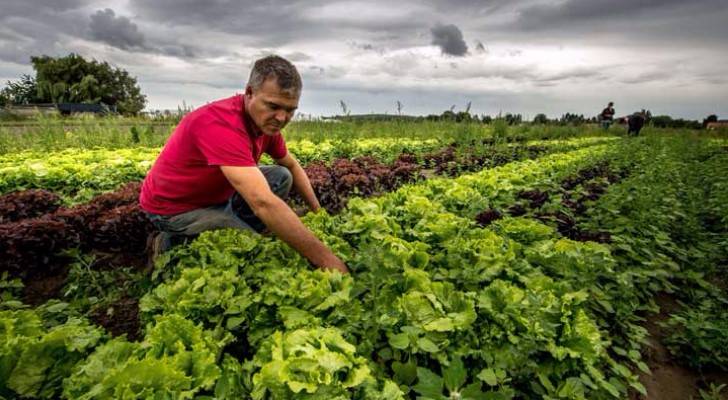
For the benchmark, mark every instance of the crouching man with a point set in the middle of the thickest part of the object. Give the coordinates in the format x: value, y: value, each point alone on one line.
x: 207, y: 176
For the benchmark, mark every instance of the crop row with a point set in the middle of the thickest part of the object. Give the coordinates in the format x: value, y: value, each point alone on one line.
x: 667, y: 226
x: 113, y: 222
x: 79, y: 175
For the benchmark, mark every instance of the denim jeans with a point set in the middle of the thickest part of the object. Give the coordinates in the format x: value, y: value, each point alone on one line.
x: 235, y: 213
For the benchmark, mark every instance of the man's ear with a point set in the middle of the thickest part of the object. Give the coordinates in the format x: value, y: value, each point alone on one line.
x: 248, y: 91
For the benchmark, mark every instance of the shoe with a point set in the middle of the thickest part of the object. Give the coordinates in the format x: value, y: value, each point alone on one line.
x: 157, y: 243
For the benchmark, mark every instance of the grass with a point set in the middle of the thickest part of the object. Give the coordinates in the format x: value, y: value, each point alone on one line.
x: 55, y: 133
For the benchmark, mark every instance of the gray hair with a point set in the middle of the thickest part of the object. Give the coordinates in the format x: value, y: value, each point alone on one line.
x: 276, y: 67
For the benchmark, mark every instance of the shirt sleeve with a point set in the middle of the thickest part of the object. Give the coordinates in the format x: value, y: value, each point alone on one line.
x: 277, y: 147
x: 221, y: 144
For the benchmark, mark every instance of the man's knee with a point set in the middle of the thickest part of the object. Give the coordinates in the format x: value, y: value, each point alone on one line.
x: 280, y: 180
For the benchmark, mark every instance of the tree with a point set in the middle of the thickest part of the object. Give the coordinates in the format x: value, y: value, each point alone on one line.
x: 463, y: 116
x: 73, y: 79
x: 22, y: 91
x: 513, y: 119
x: 710, y: 118
x: 572, y: 119
x: 666, y: 121
x: 448, y: 115
x: 540, y: 119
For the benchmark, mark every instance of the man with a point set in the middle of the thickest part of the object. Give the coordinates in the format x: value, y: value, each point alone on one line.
x: 607, y: 116
x: 207, y: 176
x: 635, y: 122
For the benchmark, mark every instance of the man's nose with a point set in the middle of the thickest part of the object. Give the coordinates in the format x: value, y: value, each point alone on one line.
x: 282, y: 116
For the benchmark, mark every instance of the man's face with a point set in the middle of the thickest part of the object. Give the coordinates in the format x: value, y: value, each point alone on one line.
x: 270, y: 107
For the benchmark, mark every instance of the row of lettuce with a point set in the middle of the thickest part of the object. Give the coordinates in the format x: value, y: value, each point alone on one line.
x: 435, y: 307
x: 80, y: 174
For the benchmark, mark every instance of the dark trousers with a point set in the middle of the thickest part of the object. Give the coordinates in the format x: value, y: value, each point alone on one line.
x: 235, y: 213
x: 635, y: 124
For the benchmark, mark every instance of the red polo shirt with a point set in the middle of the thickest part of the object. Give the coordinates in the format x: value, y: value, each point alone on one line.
x: 187, y: 173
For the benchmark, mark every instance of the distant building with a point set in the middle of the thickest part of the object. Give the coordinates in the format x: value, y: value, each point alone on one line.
x: 722, y: 124
x: 73, y: 108
x: 28, y: 110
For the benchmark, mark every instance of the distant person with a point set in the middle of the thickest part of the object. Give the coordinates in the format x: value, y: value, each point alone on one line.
x: 635, y: 123
x: 607, y: 116
x: 207, y: 176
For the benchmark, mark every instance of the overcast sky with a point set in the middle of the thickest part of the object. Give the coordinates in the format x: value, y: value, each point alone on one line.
x: 521, y: 56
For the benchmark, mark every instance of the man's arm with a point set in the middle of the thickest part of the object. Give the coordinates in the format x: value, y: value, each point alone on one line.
x: 300, y: 181
x: 279, y: 218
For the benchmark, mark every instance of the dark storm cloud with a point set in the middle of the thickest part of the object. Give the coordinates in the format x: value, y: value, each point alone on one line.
x: 119, y: 31
x: 675, y: 21
x: 264, y: 23
x: 450, y: 40
x: 277, y: 22
x: 27, y: 8
x: 35, y: 27
x: 600, y: 10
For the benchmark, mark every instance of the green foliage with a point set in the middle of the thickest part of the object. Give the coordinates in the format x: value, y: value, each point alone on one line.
x: 699, y: 334
x: 73, y: 79
x: 452, y: 384
x: 308, y: 364
x: 435, y: 307
x: 540, y: 118
x: 22, y: 91
x: 176, y: 358
x: 33, y: 360
x: 87, y: 287
x: 500, y: 128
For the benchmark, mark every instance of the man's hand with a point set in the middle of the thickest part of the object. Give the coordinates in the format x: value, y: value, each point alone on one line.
x: 337, y: 265
x: 279, y: 218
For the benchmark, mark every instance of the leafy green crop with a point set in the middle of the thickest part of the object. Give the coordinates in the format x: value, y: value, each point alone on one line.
x: 33, y: 360
x: 176, y: 359
x: 308, y: 364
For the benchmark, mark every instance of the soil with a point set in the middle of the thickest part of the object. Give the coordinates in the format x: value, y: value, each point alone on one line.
x: 120, y: 318
x: 488, y: 216
x: 668, y: 379
x: 40, y: 289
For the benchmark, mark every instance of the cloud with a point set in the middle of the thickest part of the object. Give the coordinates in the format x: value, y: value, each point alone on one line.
x: 119, y: 31
x: 28, y: 7
x: 571, y: 50
x: 648, y: 76
x: 669, y: 21
x: 35, y: 27
x: 450, y: 40
x: 599, y: 10
x: 575, y: 73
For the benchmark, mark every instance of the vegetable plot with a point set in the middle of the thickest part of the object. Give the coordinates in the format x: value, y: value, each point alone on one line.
x: 443, y: 301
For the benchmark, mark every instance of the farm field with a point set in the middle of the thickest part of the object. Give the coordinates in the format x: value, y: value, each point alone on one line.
x: 537, y: 264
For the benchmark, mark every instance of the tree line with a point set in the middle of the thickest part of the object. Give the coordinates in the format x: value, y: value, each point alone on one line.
x: 73, y: 79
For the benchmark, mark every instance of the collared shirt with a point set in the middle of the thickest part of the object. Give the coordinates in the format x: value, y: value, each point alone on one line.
x: 187, y: 173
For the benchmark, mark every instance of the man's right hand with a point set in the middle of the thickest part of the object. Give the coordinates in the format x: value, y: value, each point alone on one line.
x: 279, y: 218
x: 335, y: 263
